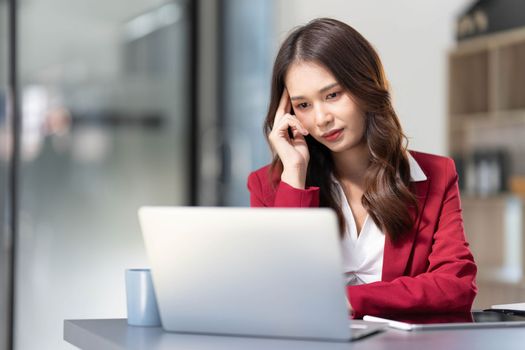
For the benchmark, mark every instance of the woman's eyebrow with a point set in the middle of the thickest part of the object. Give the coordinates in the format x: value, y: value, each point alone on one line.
x: 326, y: 88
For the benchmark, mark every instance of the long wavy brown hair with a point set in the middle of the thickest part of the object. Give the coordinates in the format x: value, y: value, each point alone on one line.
x: 357, y: 67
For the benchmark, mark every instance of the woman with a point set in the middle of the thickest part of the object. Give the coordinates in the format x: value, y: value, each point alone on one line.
x: 338, y: 143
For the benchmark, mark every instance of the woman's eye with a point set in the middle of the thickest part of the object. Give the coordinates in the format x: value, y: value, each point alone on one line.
x: 302, y: 105
x: 331, y: 95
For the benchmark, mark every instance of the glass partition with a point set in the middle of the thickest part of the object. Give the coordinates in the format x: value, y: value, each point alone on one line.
x: 104, y: 96
x: 5, y: 265
x: 248, y: 54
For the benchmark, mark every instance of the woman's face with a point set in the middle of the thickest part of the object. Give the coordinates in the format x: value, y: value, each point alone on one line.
x: 324, y: 107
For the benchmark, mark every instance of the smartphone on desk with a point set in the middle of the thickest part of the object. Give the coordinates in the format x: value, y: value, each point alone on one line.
x: 475, y: 319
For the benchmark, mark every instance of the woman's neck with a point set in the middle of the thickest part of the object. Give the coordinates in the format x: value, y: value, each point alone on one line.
x: 351, y: 165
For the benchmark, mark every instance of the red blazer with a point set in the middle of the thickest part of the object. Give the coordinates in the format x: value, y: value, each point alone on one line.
x: 431, y: 269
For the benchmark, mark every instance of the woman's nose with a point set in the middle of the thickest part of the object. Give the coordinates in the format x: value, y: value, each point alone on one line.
x: 322, y: 116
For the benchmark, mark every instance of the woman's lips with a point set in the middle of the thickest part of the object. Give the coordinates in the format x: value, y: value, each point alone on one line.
x: 332, y: 135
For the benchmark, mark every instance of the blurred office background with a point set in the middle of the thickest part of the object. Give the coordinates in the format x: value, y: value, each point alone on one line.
x: 127, y: 103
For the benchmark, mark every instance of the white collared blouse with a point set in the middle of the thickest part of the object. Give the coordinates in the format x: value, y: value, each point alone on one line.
x: 363, y: 252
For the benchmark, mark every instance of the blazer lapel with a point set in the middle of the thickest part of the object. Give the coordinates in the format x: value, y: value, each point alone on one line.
x: 396, y: 254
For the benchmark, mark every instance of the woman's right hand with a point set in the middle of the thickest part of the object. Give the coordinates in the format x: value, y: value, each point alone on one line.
x: 292, y: 151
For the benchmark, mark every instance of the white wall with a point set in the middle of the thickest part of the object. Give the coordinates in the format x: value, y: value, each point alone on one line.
x: 412, y: 38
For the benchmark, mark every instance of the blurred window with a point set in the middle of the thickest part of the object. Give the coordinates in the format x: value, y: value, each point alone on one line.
x: 104, y: 95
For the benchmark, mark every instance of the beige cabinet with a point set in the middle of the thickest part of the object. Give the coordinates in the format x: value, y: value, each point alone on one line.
x: 487, y: 111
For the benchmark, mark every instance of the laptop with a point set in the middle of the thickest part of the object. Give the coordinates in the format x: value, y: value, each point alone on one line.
x: 265, y: 272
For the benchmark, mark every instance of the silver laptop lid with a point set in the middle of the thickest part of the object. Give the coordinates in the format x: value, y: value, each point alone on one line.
x: 247, y: 271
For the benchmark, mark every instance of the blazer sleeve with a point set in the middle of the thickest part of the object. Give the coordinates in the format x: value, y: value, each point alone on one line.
x: 447, y: 284
x: 263, y: 194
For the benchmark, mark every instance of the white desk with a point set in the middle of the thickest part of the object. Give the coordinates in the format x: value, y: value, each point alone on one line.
x: 113, y: 334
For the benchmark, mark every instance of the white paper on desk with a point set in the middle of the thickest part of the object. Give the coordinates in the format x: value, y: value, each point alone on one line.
x: 515, y: 307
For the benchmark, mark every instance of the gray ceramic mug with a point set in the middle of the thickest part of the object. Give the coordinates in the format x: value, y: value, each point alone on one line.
x: 141, y: 301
